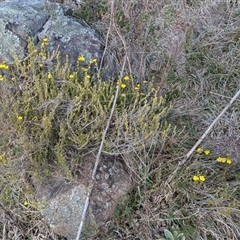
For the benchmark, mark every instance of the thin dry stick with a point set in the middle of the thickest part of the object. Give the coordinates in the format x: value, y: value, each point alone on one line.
x: 203, y: 136
x: 108, y: 32
x: 220, y: 95
x: 98, y: 156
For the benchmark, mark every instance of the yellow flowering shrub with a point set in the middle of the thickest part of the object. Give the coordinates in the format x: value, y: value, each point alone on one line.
x: 59, y: 110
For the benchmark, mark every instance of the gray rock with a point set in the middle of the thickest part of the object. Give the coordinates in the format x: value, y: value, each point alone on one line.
x: 39, y: 18
x: 65, y: 200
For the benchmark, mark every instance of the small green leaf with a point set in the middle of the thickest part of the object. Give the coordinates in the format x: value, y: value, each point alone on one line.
x: 181, y: 237
x: 168, y: 235
x: 175, y: 234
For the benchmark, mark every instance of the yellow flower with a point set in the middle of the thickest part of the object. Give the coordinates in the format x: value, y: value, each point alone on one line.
x: 49, y: 76
x: 199, y: 178
x: 4, y: 66
x: 123, y: 94
x: 1, y: 157
x: 94, y: 60
x: 126, y: 78
x: 207, y: 152
x: 228, y: 161
x: 123, y: 85
x: 1, y: 78
x: 137, y: 87
x: 81, y: 58
x: 19, y: 118
x: 202, y: 178
x: 87, y: 76
x: 43, y: 44
x: 25, y: 203
x: 71, y: 76
x: 221, y: 159
x: 145, y: 81
x: 224, y: 160
x: 199, y: 150
x: 45, y: 39
x: 195, y: 178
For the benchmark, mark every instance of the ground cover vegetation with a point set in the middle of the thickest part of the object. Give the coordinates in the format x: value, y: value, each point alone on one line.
x: 182, y: 68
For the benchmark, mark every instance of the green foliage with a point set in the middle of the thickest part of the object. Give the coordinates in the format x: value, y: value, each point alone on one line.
x: 173, y: 235
x: 57, y: 113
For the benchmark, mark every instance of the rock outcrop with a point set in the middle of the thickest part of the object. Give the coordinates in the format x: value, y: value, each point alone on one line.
x: 22, y: 19
x: 65, y: 200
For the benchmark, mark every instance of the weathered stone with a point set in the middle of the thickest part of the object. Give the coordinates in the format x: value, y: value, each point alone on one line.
x: 20, y: 19
x: 65, y: 200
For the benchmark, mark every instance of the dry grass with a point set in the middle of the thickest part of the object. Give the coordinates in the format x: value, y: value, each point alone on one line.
x: 190, y: 50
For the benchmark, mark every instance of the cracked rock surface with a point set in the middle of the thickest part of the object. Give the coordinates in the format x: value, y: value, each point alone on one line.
x: 65, y: 200
x: 21, y: 19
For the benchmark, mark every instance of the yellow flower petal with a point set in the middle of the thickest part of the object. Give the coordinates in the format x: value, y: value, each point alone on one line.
x: 202, y: 178
x: 81, y: 58
x: 19, y: 118
x: 71, y: 76
x: 126, y: 78
x: 199, y: 150
x: 123, y: 85
x: 49, y: 76
x: 224, y: 160
x: 4, y: 66
x: 195, y: 178
x: 207, y: 152
x: 228, y: 161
